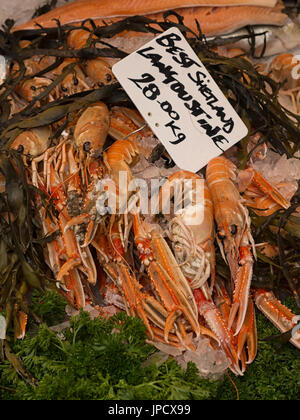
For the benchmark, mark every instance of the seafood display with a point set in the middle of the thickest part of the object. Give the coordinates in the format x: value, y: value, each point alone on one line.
x: 74, y: 153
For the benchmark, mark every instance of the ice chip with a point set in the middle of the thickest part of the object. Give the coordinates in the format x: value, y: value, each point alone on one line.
x: 281, y: 172
x: 3, y: 69
x: 211, y: 363
x: 166, y: 348
x: 277, y: 169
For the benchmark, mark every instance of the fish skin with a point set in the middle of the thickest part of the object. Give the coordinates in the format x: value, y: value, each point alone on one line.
x: 282, y: 39
x: 278, y: 39
x: 225, y: 20
x: 96, y: 9
x: 3, y: 69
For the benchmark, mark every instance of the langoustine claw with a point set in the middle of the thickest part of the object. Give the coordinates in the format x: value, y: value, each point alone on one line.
x: 217, y: 324
x: 137, y: 301
x: 167, y: 278
x: 280, y: 316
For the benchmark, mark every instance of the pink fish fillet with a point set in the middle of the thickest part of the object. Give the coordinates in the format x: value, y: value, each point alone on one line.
x: 224, y: 20
x: 96, y: 9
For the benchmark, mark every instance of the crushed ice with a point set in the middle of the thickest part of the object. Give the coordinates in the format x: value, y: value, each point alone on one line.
x: 211, y: 363
x: 280, y: 171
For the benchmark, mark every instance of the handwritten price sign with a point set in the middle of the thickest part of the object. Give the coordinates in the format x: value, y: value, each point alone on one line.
x: 180, y: 101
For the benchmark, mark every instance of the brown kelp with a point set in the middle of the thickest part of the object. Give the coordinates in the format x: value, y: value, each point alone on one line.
x: 281, y: 231
x: 22, y: 266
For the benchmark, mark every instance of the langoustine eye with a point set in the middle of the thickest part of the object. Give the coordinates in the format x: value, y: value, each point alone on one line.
x: 234, y: 230
x: 20, y: 149
x: 87, y: 146
x: 221, y: 235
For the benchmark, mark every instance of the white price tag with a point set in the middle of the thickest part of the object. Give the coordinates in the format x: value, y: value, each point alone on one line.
x: 180, y: 101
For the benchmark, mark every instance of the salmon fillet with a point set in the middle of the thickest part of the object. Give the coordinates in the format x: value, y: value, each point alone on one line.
x: 95, y: 9
x: 225, y: 20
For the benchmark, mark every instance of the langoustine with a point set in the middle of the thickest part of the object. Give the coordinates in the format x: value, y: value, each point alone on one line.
x: 47, y: 79
x: 234, y: 235
x: 191, y: 232
x: 71, y: 77
x: 285, y: 69
x: 170, y: 308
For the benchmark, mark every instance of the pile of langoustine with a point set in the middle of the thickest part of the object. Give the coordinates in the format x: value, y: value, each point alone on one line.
x: 171, y: 283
